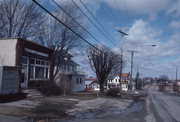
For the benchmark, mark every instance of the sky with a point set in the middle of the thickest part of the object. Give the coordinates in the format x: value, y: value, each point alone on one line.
x: 147, y: 22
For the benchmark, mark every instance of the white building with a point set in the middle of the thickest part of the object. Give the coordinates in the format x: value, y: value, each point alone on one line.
x: 114, y: 82
x: 69, y: 77
x: 33, y: 59
x: 91, y: 84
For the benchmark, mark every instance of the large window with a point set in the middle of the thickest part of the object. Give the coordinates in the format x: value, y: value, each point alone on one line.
x: 39, y: 69
x: 39, y: 72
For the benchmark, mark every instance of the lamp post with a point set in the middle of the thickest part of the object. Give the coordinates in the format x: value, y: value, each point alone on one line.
x: 132, y: 55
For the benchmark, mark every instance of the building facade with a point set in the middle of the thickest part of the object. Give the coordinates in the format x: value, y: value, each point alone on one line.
x: 114, y: 82
x: 69, y: 77
x: 33, y: 59
x: 92, y: 84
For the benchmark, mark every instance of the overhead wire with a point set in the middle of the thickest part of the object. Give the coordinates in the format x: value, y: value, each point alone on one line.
x: 93, y: 23
x: 46, y: 10
x: 96, y: 20
x: 77, y: 22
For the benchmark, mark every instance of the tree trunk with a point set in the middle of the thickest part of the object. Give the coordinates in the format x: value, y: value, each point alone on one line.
x: 101, y: 88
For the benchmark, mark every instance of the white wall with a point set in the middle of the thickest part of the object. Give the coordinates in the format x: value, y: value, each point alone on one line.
x: 78, y: 86
x: 8, y: 52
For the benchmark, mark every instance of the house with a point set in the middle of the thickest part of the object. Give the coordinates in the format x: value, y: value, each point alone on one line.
x: 95, y: 85
x: 92, y: 84
x: 33, y: 59
x: 114, y: 82
x: 68, y: 77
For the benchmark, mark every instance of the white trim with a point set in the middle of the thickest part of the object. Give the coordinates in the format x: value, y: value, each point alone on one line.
x: 36, y: 52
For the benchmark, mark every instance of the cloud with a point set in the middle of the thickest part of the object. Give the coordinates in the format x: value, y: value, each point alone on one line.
x: 93, y: 5
x: 147, y: 7
x: 139, y: 6
x: 175, y: 24
x: 174, y: 9
x: 154, y: 61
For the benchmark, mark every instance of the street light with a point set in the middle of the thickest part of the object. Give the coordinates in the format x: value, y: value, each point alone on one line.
x: 132, y: 54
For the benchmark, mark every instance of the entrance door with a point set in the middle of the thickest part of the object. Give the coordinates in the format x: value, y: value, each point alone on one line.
x: 24, y: 80
x: 24, y: 72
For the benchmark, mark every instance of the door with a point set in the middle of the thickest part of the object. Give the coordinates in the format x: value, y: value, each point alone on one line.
x: 24, y: 77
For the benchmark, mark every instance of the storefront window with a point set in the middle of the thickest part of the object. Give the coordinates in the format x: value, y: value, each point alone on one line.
x: 46, y: 72
x: 39, y: 72
x: 31, y: 71
x: 32, y: 61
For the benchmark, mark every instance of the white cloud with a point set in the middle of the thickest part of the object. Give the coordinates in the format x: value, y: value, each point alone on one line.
x: 174, y: 9
x: 175, y: 24
x: 149, y: 7
x: 154, y: 61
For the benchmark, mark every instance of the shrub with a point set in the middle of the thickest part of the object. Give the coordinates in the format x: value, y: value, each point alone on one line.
x: 49, y: 88
x: 113, y: 92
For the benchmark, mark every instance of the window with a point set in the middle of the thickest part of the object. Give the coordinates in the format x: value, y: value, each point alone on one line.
x: 42, y: 62
x: 39, y: 69
x: 38, y: 62
x: 46, y: 72
x: 31, y: 71
x: 32, y: 61
x: 47, y: 63
x: 77, y: 80
x: 80, y: 80
x: 39, y: 72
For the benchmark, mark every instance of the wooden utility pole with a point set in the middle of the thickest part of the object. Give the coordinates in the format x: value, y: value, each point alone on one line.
x: 176, y: 73
x: 132, y: 55
x: 121, y: 65
x: 120, y: 30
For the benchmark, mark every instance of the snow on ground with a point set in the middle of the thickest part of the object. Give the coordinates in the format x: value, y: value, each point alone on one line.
x: 22, y: 103
x: 100, y: 103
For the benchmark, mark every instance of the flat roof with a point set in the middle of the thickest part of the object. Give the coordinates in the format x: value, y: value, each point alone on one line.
x: 29, y: 41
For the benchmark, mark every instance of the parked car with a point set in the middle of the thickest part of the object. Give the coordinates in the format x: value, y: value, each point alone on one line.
x: 176, y: 86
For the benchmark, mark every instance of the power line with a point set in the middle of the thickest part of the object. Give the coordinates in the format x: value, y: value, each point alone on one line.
x: 64, y: 24
x: 76, y: 22
x: 96, y: 19
x: 93, y: 23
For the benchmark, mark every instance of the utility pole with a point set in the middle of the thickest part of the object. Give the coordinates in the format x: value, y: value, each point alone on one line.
x: 121, y: 65
x: 132, y: 55
x: 120, y: 30
x: 176, y: 73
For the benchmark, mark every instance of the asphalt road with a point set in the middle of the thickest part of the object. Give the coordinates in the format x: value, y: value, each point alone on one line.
x: 6, y: 118
x: 164, y: 108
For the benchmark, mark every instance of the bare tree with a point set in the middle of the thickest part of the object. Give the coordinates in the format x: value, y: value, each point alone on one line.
x: 102, y: 63
x: 19, y: 18
x: 56, y: 36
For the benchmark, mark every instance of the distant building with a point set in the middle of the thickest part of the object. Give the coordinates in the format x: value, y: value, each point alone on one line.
x: 92, y: 84
x: 114, y: 82
x: 69, y: 77
x: 33, y: 59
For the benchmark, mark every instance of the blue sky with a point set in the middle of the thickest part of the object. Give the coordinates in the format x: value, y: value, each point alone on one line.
x: 149, y: 22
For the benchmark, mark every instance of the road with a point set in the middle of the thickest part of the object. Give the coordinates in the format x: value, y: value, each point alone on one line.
x: 163, y: 107
x: 6, y: 118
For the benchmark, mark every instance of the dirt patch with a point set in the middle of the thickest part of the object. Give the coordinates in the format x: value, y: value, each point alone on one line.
x: 37, y: 109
